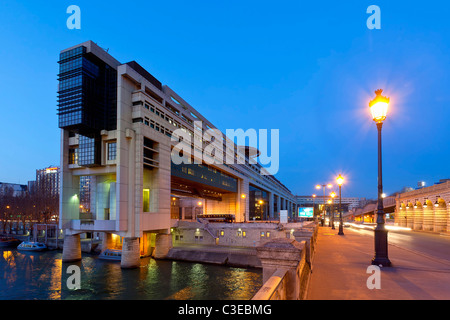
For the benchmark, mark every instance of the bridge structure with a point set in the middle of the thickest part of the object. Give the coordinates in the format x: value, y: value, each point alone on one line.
x: 426, y: 208
x: 118, y: 177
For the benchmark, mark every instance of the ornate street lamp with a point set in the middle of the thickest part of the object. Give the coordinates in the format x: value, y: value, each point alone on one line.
x: 332, y: 195
x: 340, y: 181
x: 378, y: 107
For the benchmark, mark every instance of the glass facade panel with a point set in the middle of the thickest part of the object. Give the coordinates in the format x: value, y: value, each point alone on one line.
x: 112, y: 150
x: 87, y: 92
x: 258, y: 204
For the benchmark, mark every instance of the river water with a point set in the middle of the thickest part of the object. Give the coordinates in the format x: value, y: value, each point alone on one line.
x: 43, y: 276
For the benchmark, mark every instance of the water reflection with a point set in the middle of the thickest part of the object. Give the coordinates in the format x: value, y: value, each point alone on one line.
x: 42, y: 275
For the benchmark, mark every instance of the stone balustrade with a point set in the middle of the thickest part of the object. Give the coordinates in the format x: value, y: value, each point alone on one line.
x: 287, y: 266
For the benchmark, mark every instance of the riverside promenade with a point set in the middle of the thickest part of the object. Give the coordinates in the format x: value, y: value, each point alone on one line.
x: 340, y: 270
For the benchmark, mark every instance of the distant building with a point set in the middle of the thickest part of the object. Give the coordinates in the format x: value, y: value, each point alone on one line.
x: 352, y: 202
x: 15, y: 189
x: 48, y: 180
x: 32, y: 187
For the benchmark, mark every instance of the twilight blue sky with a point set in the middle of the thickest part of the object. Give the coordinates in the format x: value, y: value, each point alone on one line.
x: 308, y: 68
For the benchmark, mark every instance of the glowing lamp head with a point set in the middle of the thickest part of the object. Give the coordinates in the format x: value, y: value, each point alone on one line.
x: 329, y: 185
x: 199, y: 203
x: 260, y: 202
x: 317, y: 187
x: 333, y: 194
x: 340, y: 180
x: 314, y: 195
x: 379, y: 106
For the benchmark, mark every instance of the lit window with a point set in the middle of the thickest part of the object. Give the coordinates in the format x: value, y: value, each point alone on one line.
x: 112, y: 150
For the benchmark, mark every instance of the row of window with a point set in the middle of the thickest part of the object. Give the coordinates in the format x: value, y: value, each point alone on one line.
x: 70, y: 83
x: 158, y: 112
x: 74, y: 153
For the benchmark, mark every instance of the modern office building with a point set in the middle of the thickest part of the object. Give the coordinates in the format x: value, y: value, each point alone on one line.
x: 117, y: 125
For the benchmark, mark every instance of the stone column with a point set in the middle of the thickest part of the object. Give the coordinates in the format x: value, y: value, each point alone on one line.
x: 440, y: 218
x: 428, y: 217
x: 163, y: 243
x: 306, y: 234
x: 284, y: 254
x: 71, y: 248
x: 131, y: 256
x: 448, y: 218
x: 418, y: 217
x: 409, y: 216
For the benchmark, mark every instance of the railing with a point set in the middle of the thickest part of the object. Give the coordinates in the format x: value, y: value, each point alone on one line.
x: 274, y: 288
x: 290, y: 262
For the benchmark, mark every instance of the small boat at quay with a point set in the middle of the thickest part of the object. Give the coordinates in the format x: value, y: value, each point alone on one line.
x: 31, y: 246
x: 111, y: 254
x: 8, y: 241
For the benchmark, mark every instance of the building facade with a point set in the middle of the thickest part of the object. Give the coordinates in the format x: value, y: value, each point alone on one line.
x: 117, y: 123
x: 13, y: 189
x: 47, y: 181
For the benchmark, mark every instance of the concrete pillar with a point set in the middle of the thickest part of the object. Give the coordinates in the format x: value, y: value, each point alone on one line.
x: 163, y: 244
x: 285, y: 254
x: 131, y: 256
x: 107, y: 242
x: 270, y: 208
x: 71, y: 248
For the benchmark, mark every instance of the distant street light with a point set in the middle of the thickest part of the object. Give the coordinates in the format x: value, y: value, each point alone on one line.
x: 323, y: 186
x: 332, y: 195
x: 378, y: 107
x: 340, y: 181
x: 314, y: 206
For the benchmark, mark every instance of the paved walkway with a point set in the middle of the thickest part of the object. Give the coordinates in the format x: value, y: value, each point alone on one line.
x: 340, y: 271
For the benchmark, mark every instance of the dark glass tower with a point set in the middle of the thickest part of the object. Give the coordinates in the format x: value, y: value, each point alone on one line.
x: 87, y: 100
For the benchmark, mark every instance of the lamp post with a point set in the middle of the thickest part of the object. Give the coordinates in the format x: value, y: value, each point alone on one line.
x: 332, y: 195
x: 323, y: 186
x: 340, y: 181
x: 378, y: 107
x: 314, y: 207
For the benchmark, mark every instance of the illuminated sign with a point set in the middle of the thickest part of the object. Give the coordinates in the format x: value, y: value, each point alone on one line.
x: 51, y: 170
x: 306, y: 212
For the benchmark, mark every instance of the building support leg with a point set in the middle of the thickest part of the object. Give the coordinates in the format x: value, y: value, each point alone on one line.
x: 163, y: 244
x: 71, y: 248
x: 131, y: 256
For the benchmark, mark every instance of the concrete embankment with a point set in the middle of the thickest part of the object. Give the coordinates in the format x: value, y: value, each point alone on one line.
x: 233, y: 257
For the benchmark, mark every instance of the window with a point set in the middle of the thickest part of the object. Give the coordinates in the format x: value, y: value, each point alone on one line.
x: 146, y: 200
x: 112, y: 150
x: 73, y: 155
